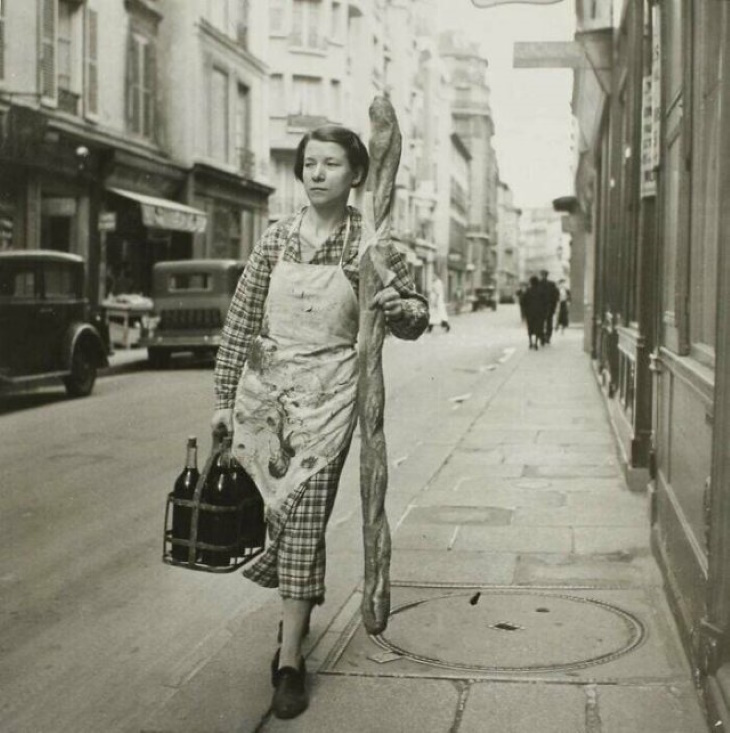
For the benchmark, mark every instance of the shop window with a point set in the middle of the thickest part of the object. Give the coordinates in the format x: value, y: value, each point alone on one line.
x: 307, y: 24
x: 218, y: 118
x: 141, y: 84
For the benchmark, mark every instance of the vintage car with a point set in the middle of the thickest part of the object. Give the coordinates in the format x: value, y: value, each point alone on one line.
x: 47, y: 327
x: 191, y: 299
x: 485, y: 297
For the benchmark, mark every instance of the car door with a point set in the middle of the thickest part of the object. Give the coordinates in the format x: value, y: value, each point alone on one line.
x: 20, y: 347
x: 59, y: 308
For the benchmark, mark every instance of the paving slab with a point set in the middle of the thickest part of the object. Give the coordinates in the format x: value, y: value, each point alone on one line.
x: 649, y: 709
x: 514, y: 539
x: 637, y: 569
x: 368, y: 705
x: 474, y: 495
x: 598, y: 514
x: 523, y: 708
x: 601, y: 540
x: 496, y: 568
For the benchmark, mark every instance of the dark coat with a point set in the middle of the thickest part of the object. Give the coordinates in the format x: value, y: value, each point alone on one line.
x: 534, y: 309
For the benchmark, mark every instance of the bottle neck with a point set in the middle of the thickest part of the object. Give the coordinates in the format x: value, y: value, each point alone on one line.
x: 191, y: 459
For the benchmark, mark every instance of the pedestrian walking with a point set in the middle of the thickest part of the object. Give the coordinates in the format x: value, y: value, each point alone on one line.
x: 532, y: 304
x: 563, y: 303
x: 437, y: 305
x: 549, y: 296
x: 286, y: 379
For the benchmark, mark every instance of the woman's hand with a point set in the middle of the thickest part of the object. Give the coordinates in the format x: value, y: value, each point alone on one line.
x: 390, y: 302
x: 223, y: 419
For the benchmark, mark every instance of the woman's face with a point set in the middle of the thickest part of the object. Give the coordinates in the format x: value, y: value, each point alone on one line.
x: 327, y: 174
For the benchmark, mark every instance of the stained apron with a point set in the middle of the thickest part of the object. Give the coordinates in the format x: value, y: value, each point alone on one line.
x: 295, y: 403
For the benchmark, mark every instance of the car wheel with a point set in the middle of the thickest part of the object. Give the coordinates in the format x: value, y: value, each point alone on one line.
x: 83, y: 373
x: 158, y: 358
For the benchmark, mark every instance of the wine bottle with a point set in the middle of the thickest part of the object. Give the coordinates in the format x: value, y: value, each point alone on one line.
x: 219, y: 528
x: 251, y: 522
x: 184, y: 488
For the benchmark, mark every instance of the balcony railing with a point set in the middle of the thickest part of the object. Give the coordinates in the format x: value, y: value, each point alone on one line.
x: 68, y: 101
x: 246, y: 162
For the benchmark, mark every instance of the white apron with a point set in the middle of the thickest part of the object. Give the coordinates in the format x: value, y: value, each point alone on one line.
x: 296, y: 398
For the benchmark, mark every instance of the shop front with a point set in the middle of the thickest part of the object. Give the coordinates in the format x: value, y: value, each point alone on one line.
x: 237, y: 209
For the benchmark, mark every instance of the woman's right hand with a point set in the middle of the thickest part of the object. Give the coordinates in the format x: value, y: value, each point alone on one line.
x: 223, y: 418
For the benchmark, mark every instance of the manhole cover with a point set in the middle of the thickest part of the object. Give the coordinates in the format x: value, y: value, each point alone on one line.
x: 510, y: 631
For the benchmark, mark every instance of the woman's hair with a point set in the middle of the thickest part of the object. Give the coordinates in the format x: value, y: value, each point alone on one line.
x: 357, y: 153
x: 534, y: 280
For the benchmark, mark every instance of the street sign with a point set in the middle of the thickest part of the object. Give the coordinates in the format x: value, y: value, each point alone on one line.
x: 107, y: 221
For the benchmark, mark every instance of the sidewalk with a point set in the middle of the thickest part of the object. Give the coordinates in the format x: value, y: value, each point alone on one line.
x: 524, y: 594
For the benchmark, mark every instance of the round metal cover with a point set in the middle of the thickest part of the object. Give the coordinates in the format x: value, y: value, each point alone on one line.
x: 511, y: 631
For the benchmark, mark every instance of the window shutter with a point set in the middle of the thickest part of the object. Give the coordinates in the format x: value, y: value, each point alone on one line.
x: 242, y: 27
x: 129, y: 81
x: 92, y: 62
x: 149, y: 87
x: 2, y: 39
x: 47, y: 59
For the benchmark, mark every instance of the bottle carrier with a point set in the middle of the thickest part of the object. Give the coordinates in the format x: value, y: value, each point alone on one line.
x: 239, y: 530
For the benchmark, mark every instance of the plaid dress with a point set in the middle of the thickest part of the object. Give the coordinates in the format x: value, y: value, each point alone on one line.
x: 294, y: 560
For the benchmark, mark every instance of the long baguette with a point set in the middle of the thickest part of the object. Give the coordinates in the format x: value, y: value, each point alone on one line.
x: 385, y: 146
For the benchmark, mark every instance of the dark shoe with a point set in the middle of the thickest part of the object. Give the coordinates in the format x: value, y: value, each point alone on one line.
x: 290, y: 697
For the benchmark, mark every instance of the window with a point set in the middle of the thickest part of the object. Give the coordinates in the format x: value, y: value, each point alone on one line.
x: 64, y: 47
x: 92, y: 62
x: 276, y: 16
x: 306, y: 96
x: 47, y: 61
x: 276, y: 91
x: 336, y: 25
x: 242, y: 23
x: 243, y: 130
x: 217, y: 14
x: 336, y: 92
x: 17, y: 283
x: 59, y: 282
x: 307, y: 24
x: 219, y: 115
x: 141, y: 84
x: 189, y: 281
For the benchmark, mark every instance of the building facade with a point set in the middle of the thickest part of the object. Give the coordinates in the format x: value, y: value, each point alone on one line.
x: 508, y: 244
x: 110, y: 155
x: 654, y: 191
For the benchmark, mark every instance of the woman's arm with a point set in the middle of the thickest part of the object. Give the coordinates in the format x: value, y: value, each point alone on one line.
x: 414, y: 320
x: 244, y: 319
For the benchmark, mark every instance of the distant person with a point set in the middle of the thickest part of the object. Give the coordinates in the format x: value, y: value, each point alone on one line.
x: 519, y: 294
x: 532, y: 307
x: 563, y: 303
x: 549, y: 297
x: 437, y: 305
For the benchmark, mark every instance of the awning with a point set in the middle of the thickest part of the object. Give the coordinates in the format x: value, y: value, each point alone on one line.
x: 165, y: 214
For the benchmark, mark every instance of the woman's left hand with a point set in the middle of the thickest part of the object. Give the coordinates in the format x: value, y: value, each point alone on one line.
x: 390, y: 302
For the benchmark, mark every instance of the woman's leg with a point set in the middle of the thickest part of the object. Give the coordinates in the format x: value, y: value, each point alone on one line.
x: 295, y: 620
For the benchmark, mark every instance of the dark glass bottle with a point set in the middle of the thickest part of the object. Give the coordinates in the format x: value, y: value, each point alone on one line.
x: 219, y: 528
x: 251, y: 519
x: 184, y: 488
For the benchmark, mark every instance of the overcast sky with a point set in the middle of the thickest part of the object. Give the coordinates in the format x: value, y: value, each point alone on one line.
x: 531, y: 107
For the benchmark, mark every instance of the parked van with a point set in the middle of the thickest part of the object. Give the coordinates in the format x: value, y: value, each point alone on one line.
x: 191, y: 299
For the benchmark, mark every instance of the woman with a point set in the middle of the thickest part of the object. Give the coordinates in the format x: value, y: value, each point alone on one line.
x: 286, y: 379
x: 533, y: 306
x: 563, y: 304
x: 437, y: 303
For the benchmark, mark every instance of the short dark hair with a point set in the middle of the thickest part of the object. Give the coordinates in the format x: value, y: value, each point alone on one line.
x: 349, y: 141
